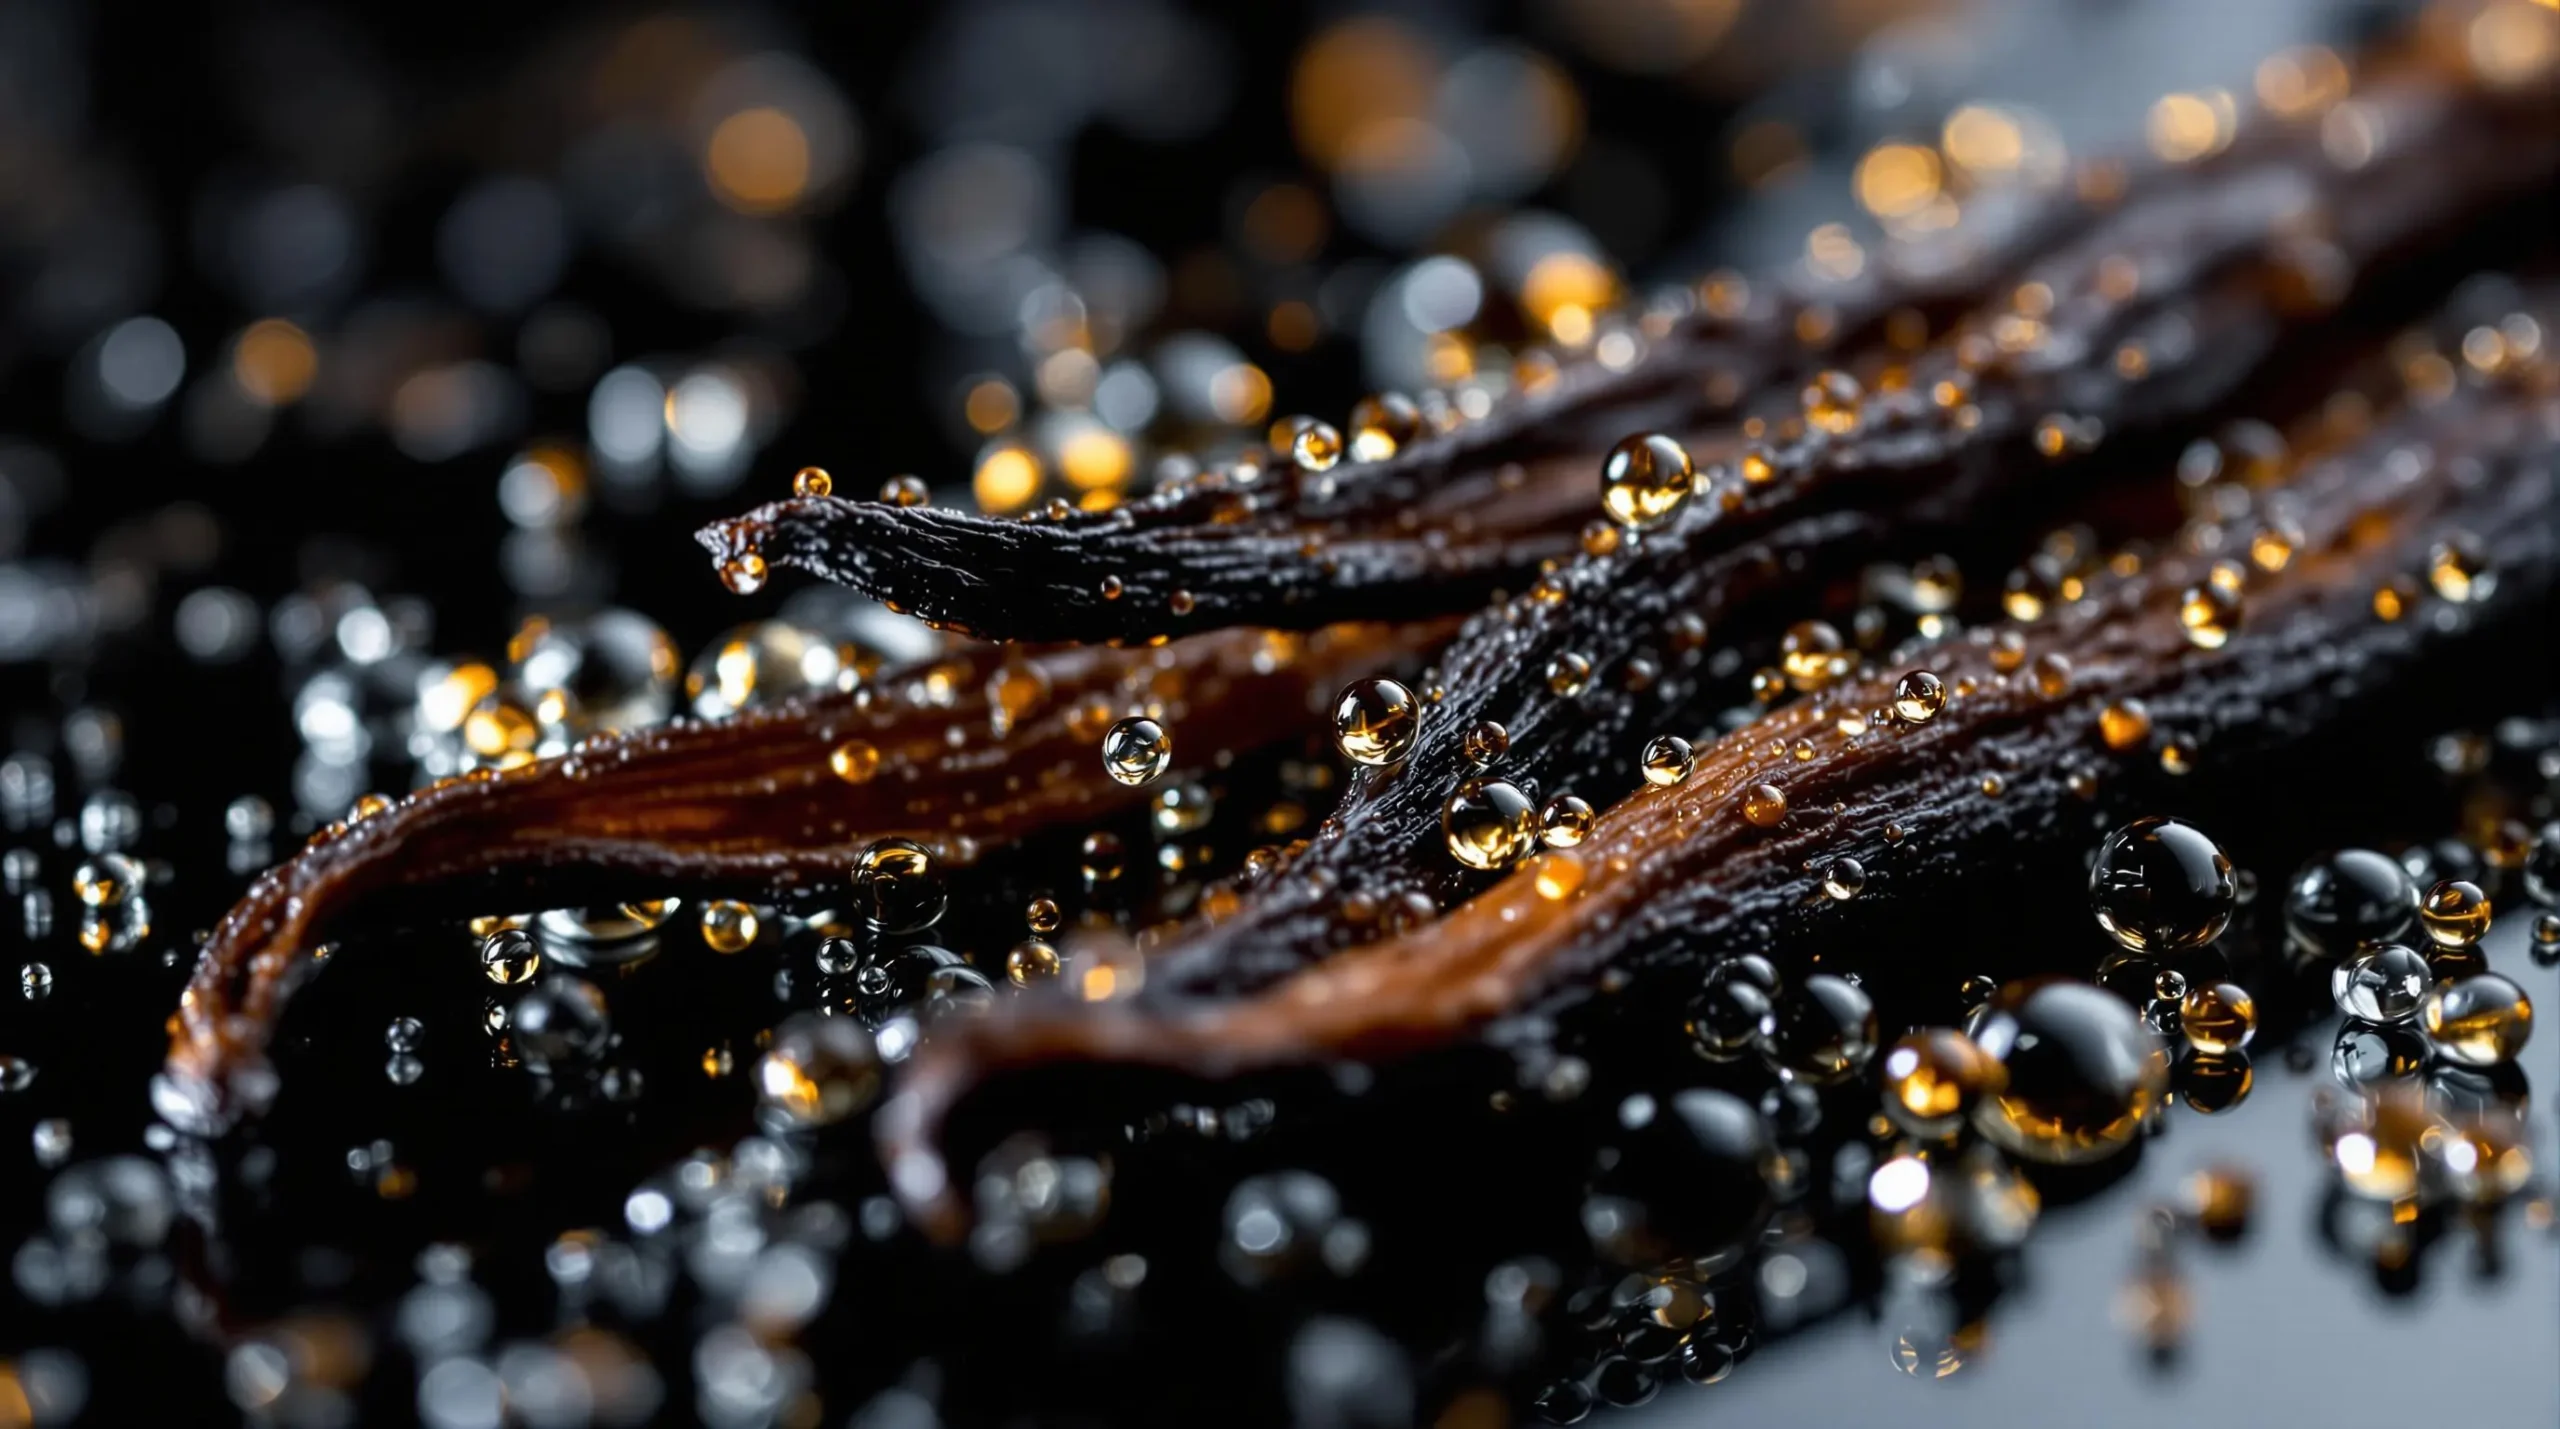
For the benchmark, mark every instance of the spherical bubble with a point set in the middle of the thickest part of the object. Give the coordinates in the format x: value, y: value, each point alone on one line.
x: 897, y: 886
x: 818, y: 1071
x: 2160, y: 884
x: 560, y: 1023
x: 1691, y: 1181
x: 2084, y: 1073
x: 2478, y: 1021
x: 1824, y: 1032
x: 2384, y: 983
x: 762, y: 664
x: 2342, y: 900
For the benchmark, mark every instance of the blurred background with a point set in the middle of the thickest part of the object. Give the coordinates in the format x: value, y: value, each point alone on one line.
x: 307, y: 311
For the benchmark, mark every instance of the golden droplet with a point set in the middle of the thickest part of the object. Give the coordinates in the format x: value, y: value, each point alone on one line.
x: 812, y: 481
x: 2178, y: 755
x: 1918, y: 696
x: 2272, y: 548
x: 1488, y: 824
x: 1565, y: 821
x: 1315, y: 446
x: 1600, y: 538
x: 2455, y: 913
x: 1765, y: 805
x: 1113, y: 588
x: 2008, y: 651
x: 2218, y: 1018
x: 1485, y: 743
x: 2210, y: 612
x: 1559, y: 876
x: 744, y: 573
x: 2124, y: 724
x: 728, y: 926
x: 904, y: 491
x: 1136, y: 750
x: 1031, y: 961
x: 1667, y: 760
x: 1568, y: 674
x: 2052, y: 674
x: 2392, y: 598
x: 1644, y: 480
x: 2456, y: 569
x: 854, y: 761
x: 1831, y: 403
x: 1382, y: 424
x: 1376, y: 722
x: 1812, y: 654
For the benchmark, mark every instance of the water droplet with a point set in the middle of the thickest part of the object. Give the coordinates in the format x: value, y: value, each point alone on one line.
x: 2340, y: 901
x: 1376, y: 722
x: 2219, y: 1018
x: 2210, y: 613
x: 1934, y: 1077
x: 2124, y: 724
x: 107, y: 880
x: 744, y: 573
x: 1667, y: 760
x: 1488, y: 823
x: 854, y: 761
x: 812, y: 481
x: 2455, y: 913
x: 729, y: 926
x: 1844, y: 878
x: 2160, y: 884
x: 1831, y: 403
x: 1136, y: 750
x: 1822, y: 1032
x: 1031, y: 961
x: 2084, y: 1074
x: 2479, y: 1021
x: 560, y: 1022
x: 897, y: 886
x: 2457, y: 571
x: 1568, y: 675
x: 403, y: 1034
x: 1918, y: 696
x: 905, y: 491
x: 1764, y: 805
x: 1644, y: 480
x: 818, y: 1071
x: 1485, y: 742
x: 1565, y: 821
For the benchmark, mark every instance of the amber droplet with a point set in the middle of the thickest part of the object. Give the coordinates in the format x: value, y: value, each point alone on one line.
x: 812, y: 481
x: 1812, y: 654
x: 2084, y: 1074
x: 729, y: 926
x: 1559, y: 876
x: 2218, y: 1018
x: 2052, y: 674
x: 1376, y: 722
x: 2177, y: 755
x: 1667, y: 760
x: 1765, y: 805
x: 2124, y: 724
x: 2480, y: 1021
x: 1488, y: 824
x: 1041, y: 915
x: 2219, y: 1199
x: 1031, y: 961
x: 1600, y: 538
x: 1316, y: 445
x: 1757, y: 469
x: 904, y: 491
x: 1113, y: 588
x: 1831, y: 403
x: 1644, y: 480
x: 743, y: 573
x: 2457, y: 571
x: 1485, y: 742
x: 1136, y: 750
x: 2393, y: 598
x: 2455, y: 913
x: 1565, y: 821
x: 1382, y: 424
x: 1568, y: 674
x: 1934, y: 1077
x: 854, y: 761
x: 1918, y: 696
x: 2210, y: 612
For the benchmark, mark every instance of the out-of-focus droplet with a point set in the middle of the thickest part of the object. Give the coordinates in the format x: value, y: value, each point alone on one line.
x: 1136, y: 750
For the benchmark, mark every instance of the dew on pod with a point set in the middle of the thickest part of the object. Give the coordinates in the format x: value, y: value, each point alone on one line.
x: 2384, y: 983
x: 1485, y: 743
x: 2160, y: 884
x: 2084, y: 1073
x: 1136, y: 750
x: 1565, y: 821
x: 1376, y: 722
x: 1644, y: 480
x: 2342, y: 900
x: 1667, y: 760
x: 1488, y: 824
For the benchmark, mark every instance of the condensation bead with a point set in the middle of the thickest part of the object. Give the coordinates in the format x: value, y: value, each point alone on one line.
x: 2160, y: 884
x: 2340, y: 901
x: 2384, y: 983
x: 2084, y: 1073
x: 2479, y: 1021
x: 1823, y: 1032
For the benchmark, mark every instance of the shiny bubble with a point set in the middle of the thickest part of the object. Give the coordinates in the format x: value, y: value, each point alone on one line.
x: 2084, y: 1073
